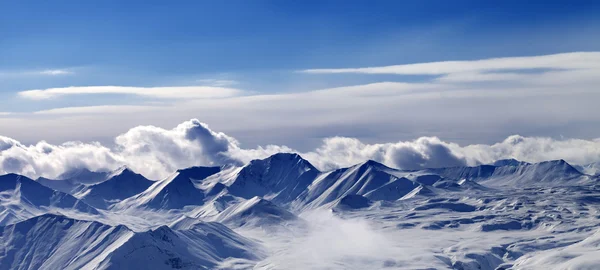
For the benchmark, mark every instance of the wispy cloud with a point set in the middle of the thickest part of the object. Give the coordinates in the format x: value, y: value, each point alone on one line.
x: 33, y: 73
x: 101, y: 109
x: 488, y: 70
x: 56, y: 72
x: 154, y: 92
x: 575, y: 60
x: 217, y: 82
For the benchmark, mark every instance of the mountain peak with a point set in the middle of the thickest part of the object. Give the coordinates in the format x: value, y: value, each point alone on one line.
x: 373, y: 164
x: 198, y: 172
x: 9, y: 181
x: 281, y: 164
x: 284, y: 175
x: 10, y: 176
x: 84, y: 176
x: 508, y: 162
x: 123, y: 170
x: 119, y: 185
x: 285, y: 158
x: 174, y: 192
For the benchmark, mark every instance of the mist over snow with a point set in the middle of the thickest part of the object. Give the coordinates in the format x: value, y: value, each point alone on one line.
x: 156, y: 152
x: 327, y: 241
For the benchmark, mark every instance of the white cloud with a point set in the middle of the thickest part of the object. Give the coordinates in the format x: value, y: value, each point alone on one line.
x: 151, y: 150
x: 56, y: 72
x: 217, y: 82
x: 29, y: 73
x: 101, y: 109
x: 157, y: 152
x: 426, y: 152
x: 575, y: 60
x: 464, y: 106
x: 155, y: 92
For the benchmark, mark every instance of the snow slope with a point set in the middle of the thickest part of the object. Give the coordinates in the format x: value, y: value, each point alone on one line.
x: 57, y: 242
x: 21, y: 198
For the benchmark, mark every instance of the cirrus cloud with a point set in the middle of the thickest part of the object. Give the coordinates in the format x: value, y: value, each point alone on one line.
x: 153, y: 92
x: 574, y: 60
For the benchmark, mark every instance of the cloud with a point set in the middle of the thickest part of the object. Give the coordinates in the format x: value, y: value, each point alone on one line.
x: 44, y: 159
x: 157, y: 152
x: 574, y: 60
x: 29, y: 73
x: 101, y: 109
x: 56, y: 72
x: 153, y: 151
x: 217, y: 82
x: 154, y: 92
x: 574, y: 67
x: 431, y: 152
x: 326, y: 241
x: 483, y: 106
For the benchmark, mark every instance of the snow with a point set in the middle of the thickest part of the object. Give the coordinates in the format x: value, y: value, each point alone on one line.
x: 120, y: 185
x: 283, y: 213
x: 58, y: 242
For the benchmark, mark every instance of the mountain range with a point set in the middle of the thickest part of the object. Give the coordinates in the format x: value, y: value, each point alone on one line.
x: 197, y: 217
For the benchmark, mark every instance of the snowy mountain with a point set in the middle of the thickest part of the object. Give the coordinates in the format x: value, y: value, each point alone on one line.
x: 174, y: 192
x: 84, y: 176
x: 281, y: 212
x: 120, y: 185
x: 371, y: 179
x: 280, y: 178
x: 57, y: 242
x: 509, y: 162
x: 21, y: 198
x: 555, y: 172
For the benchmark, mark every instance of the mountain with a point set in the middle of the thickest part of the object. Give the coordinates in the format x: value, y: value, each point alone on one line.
x: 555, y: 172
x: 366, y: 216
x: 77, y: 180
x: 120, y: 185
x: 290, y: 181
x: 509, y: 162
x: 370, y: 179
x: 174, y: 192
x: 57, y: 242
x: 84, y: 176
x: 279, y: 178
x: 21, y: 197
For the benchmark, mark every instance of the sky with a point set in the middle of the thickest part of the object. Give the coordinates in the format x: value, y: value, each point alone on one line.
x: 297, y: 73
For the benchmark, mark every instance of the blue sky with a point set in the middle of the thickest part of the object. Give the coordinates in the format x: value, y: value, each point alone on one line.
x: 260, y: 47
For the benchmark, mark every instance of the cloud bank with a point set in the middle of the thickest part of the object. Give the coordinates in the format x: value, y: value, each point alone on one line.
x: 156, y: 152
